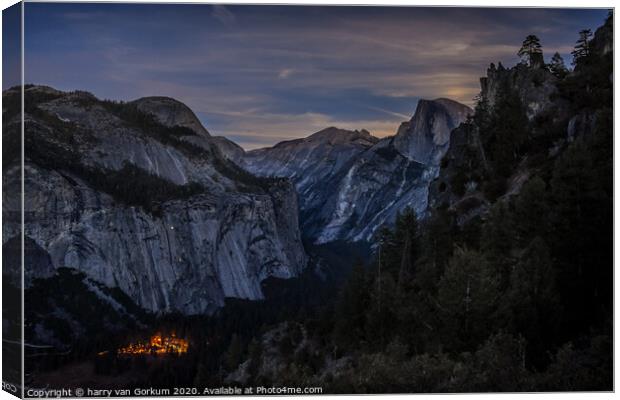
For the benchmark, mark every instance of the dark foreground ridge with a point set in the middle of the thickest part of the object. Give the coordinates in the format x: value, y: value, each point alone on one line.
x: 490, y: 270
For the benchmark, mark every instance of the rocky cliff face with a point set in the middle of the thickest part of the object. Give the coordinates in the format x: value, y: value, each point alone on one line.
x: 534, y: 85
x: 148, y: 205
x: 557, y: 113
x: 466, y: 167
x: 425, y: 138
x: 311, y: 161
x: 170, y: 112
x: 351, y: 183
x: 445, y: 192
x: 229, y: 149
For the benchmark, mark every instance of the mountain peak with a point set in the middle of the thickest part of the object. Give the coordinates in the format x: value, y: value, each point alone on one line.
x: 335, y: 135
x: 130, y: 173
x: 171, y: 112
x: 455, y: 109
x: 429, y: 129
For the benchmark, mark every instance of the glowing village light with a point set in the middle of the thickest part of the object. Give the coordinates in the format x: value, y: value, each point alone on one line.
x: 157, y: 344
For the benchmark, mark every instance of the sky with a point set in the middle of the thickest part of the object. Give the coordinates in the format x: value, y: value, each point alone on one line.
x: 262, y: 74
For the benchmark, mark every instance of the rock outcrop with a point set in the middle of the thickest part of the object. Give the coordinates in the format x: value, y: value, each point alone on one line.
x: 533, y: 85
x: 425, y: 138
x: 171, y: 112
x: 148, y: 205
x: 551, y: 123
x: 229, y: 149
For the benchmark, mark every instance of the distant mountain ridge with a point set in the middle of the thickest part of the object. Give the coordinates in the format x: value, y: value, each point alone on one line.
x: 350, y: 182
x: 320, y: 155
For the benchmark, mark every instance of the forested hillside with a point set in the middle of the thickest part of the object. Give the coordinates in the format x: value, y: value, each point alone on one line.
x: 507, y: 286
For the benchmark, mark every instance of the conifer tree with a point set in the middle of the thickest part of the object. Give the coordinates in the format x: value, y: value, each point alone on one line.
x: 388, y: 254
x: 508, y: 130
x: 533, y: 299
x: 531, y: 210
x: 467, y: 294
x: 582, y: 47
x: 381, y: 314
x: 530, y: 48
x: 435, y: 249
x: 557, y: 66
x: 498, y: 240
x: 406, y: 234
x: 351, y: 307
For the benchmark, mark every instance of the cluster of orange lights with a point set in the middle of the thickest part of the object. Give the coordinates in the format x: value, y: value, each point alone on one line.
x: 157, y: 345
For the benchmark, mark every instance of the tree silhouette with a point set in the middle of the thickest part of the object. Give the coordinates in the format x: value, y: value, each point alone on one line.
x: 406, y: 233
x: 351, y: 308
x: 530, y: 49
x: 582, y: 46
x: 557, y: 66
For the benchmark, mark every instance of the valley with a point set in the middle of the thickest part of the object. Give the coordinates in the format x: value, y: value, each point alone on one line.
x: 470, y: 251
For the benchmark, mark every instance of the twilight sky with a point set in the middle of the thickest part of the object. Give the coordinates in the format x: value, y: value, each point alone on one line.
x: 262, y: 74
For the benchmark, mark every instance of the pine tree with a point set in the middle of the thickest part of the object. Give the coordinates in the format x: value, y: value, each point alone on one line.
x: 468, y: 293
x: 498, y: 240
x: 533, y: 299
x: 582, y: 47
x: 482, y: 114
x: 531, y: 210
x: 406, y: 235
x: 557, y: 66
x: 508, y: 130
x: 530, y: 49
x: 581, y: 233
x: 388, y: 253
x: 531, y: 306
x: 351, y: 308
x: 500, y: 364
x: 435, y: 248
x: 381, y: 313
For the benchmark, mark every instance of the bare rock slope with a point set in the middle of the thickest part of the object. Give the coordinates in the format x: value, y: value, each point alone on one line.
x: 351, y: 183
x: 137, y: 196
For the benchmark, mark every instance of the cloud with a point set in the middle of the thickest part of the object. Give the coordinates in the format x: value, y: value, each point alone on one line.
x: 285, y: 73
x: 392, y: 113
x: 223, y: 14
x: 258, y: 129
x: 265, y: 73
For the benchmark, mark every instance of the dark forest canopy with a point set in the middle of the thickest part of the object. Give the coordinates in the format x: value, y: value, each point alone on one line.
x: 515, y: 299
x: 501, y: 287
